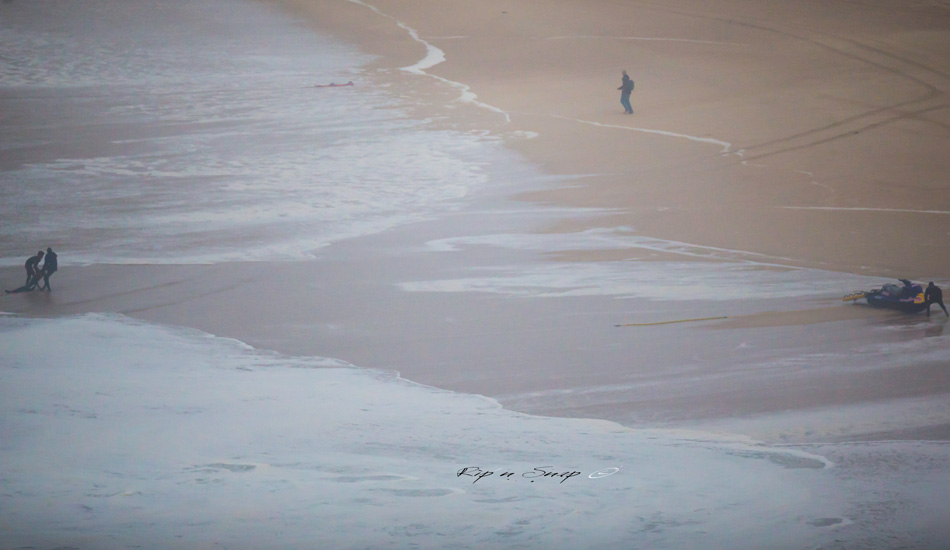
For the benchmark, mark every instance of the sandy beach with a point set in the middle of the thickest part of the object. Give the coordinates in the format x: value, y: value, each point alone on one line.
x: 756, y: 137
x: 798, y: 148
x: 818, y: 131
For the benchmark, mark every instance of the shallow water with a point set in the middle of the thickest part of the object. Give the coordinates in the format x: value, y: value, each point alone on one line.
x: 184, y: 136
x: 174, y: 135
x: 117, y: 432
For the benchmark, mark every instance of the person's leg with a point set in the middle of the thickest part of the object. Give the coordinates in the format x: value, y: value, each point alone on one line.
x: 944, y: 308
x: 45, y: 282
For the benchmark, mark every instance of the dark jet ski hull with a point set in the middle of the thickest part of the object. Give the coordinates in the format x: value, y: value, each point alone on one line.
x: 908, y: 299
x: 907, y: 305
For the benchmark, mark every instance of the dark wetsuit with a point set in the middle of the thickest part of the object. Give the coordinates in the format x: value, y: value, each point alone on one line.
x: 933, y: 295
x: 32, y: 270
x: 32, y: 274
x: 626, y: 88
x: 50, y: 266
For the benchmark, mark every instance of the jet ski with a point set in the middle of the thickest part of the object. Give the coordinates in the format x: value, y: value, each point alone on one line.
x: 908, y: 298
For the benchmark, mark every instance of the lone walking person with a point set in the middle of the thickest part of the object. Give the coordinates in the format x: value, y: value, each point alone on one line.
x: 626, y: 88
x: 933, y: 295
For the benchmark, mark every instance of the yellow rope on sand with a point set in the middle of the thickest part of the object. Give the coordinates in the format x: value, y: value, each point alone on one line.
x: 669, y: 322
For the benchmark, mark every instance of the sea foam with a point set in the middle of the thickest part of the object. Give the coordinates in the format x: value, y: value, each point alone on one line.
x: 180, y: 136
x: 119, y: 432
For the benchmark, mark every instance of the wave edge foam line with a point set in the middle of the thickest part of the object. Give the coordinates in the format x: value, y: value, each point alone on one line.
x: 434, y: 56
x: 726, y: 146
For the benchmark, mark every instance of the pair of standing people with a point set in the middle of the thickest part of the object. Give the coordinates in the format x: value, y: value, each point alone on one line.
x: 34, y: 272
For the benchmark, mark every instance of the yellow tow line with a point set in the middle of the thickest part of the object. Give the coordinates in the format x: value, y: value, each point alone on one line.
x: 669, y: 322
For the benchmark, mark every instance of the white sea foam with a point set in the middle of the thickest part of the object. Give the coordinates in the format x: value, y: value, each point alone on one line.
x: 726, y: 146
x: 119, y: 431
x: 730, y: 277
x: 434, y: 56
x: 680, y: 281
x: 192, y: 153
x: 608, y: 238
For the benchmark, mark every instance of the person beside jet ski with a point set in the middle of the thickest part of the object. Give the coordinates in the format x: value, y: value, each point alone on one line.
x: 933, y: 295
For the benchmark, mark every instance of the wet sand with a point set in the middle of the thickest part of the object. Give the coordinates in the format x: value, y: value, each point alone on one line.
x: 772, y: 369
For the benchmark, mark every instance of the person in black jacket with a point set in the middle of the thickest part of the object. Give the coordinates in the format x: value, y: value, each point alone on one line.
x: 626, y: 88
x: 32, y: 273
x: 933, y: 295
x: 49, y: 267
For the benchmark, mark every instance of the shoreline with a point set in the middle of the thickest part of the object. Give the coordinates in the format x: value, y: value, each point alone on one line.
x: 765, y: 371
x: 791, y: 181
x: 566, y: 293
x: 767, y: 193
x: 541, y: 355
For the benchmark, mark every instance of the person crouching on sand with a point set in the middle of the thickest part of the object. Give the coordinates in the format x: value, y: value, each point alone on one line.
x: 933, y: 295
x: 32, y: 273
